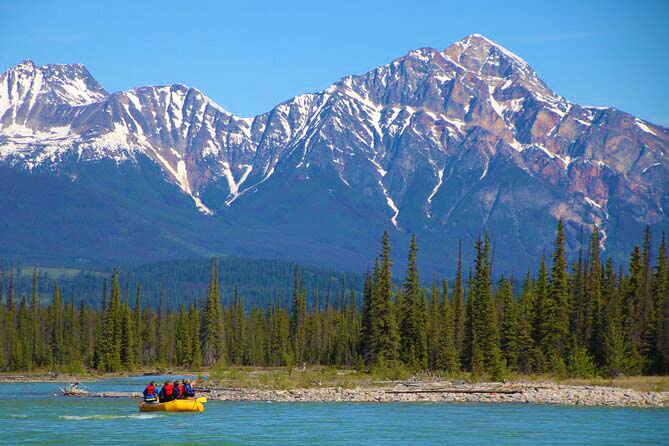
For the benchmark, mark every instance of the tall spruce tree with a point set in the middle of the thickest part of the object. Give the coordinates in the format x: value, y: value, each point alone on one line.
x: 57, y: 327
x: 509, y: 323
x: 447, y: 357
x: 114, y: 326
x: 527, y: 352
x: 459, y: 309
x: 614, y: 360
x: 212, y: 339
x: 386, y: 338
x: 298, y: 316
x: 485, y: 352
x: 412, y: 330
x: 660, y: 355
x: 543, y: 322
x: 558, y: 330
x: 593, y: 292
x: 632, y: 302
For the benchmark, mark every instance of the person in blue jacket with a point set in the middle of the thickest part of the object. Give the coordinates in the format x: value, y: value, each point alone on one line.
x: 150, y: 393
x: 188, y: 390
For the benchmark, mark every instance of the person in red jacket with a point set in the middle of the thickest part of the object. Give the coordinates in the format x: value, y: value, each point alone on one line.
x: 150, y: 395
x: 168, y: 392
x: 179, y: 389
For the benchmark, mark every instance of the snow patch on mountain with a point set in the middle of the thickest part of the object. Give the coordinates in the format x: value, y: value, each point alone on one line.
x: 644, y: 127
x: 180, y: 174
x: 440, y: 180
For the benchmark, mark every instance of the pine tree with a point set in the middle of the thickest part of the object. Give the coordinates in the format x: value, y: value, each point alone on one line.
x: 660, y: 290
x: 646, y: 303
x: 447, y: 357
x: 422, y: 320
x: 13, y: 351
x: 113, y: 327
x: 559, y: 296
x: 128, y: 344
x: 57, y: 330
x: 298, y: 317
x: 212, y: 341
x: 459, y: 309
x: 596, y: 332
x: 412, y: 331
x: 237, y: 329
x: 614, y: 360
x: 36, y: 348
x: 580, y: 317
x: 509, y: 324
x: 386, y: 340
x: 633, y: 289
x: 434, y: 327
x: 137, y: 350
x: 527, y: 353
x: 663, y: 336
x: 485, y: 334
x: 102, y: 340
x: 22, y: 357
x: 196, y: 355
x: 543, y: 322
x: 87, y: 335
x: 162, y: 334
x: 72, y: 338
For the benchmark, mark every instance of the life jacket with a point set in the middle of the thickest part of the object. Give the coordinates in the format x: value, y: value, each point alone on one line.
x: 189, y: 390
x: 180, y: 388
x: 169, y: 389
x: 150, y: 390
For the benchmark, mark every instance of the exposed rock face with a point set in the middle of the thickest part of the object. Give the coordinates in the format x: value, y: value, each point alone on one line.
x: 445, y: 144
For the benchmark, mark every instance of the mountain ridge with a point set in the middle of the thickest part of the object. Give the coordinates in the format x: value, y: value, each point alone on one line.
x: 448, y: 142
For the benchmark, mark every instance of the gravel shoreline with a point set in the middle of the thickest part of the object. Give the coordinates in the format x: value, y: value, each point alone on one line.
x: 441, y: 392
x: 535, y: 393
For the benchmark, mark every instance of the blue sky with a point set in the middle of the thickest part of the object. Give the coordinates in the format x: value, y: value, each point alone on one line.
x: 248, y: 56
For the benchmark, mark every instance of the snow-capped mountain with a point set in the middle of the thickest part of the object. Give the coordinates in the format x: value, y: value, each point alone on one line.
x: 444, y: 144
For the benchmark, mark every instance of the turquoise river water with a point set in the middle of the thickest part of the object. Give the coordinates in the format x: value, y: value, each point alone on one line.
x: 32, y: 415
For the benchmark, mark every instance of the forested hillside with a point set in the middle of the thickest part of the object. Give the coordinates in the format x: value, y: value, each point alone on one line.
x: 580, y: 317
x: 184, y: 281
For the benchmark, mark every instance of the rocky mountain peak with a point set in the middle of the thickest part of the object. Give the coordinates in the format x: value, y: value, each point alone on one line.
x: 499, y: 67
x: 32, y: 94
x: 24, y: 65
x: 478, y: 53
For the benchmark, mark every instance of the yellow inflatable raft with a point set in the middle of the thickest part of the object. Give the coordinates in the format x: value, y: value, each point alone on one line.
x: 186, y: 405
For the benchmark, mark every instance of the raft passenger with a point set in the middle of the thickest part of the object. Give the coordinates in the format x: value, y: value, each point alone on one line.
x: 150, y: 394
x: 167, y: 393
x: 179, y: 389
x: 189, y: 392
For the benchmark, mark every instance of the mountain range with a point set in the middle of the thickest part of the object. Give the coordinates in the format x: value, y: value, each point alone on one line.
x: 444, y: 144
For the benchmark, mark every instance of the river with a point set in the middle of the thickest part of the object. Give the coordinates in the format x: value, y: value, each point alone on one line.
x: 32, y: 415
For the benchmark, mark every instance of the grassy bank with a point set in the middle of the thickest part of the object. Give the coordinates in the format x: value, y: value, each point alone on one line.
x: 282, y: 378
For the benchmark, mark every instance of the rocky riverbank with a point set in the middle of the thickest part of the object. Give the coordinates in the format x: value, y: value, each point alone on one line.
x: 536, y: 393
x: 441, y: 392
